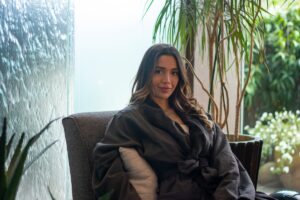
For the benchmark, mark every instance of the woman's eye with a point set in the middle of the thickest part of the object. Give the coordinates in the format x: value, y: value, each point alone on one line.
x: 157, y: 71
x: 175, y: 73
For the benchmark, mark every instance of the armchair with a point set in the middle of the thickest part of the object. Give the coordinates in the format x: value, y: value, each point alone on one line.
x: 82, y: 132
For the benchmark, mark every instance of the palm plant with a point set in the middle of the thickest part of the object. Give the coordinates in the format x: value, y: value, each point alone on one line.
x: 11, y: 176
x: 228, y: 29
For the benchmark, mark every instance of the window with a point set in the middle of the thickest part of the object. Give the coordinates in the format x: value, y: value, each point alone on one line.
x: 110, y: 40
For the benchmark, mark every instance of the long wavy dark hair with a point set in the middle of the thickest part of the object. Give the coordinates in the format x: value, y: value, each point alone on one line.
x: 181, y: 99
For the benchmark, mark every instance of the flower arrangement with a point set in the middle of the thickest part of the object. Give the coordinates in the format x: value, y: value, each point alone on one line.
x: 281, y: 135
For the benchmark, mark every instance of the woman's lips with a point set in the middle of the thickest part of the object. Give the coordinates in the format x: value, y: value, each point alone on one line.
x: 165, y: 89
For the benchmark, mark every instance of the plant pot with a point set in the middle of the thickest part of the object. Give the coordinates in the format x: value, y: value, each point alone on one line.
x: 248, y: 150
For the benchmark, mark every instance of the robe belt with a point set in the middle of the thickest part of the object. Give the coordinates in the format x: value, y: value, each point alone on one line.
x: 186, y: 167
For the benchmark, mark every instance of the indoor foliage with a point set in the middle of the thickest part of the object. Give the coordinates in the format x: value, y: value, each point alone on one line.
x: 11, y: 174
x: 281, y: 135
x: 275, y: 84
x: 222, y: 29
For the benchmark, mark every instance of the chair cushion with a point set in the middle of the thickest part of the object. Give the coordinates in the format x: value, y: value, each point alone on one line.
x: 141, y: 175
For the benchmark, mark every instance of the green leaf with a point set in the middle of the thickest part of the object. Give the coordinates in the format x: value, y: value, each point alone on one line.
x: 17, y: 172
x: 149, y: 2
x: 38, y: 156
x: 51, y: 195
x: 15, y: 159
x: 8, y: 146
x: 3, y: 183
x: 160, y: 19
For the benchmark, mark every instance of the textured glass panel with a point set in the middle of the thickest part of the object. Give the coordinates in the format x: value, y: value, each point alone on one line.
x: 36, y: 69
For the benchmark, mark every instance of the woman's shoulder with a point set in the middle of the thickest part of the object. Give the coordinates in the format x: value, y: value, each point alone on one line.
x: 130, y: 110
x: 123, y: 119
x: 196, y: 116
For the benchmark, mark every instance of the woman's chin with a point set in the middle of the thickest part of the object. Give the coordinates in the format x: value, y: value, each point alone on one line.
x: 161, y: 97
x: 165, y: 96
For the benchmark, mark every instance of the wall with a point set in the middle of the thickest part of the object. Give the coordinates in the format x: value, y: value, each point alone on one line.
x: 202, y: 71
x: 36, y: 69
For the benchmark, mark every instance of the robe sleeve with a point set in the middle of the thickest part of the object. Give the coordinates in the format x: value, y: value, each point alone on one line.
x: 109, y: 174
x: 235, y: 182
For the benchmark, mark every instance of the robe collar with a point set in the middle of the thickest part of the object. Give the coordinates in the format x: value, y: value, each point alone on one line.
x: 200, y: 137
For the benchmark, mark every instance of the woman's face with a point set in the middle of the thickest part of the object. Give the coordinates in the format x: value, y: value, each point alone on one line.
x: 165, y: 78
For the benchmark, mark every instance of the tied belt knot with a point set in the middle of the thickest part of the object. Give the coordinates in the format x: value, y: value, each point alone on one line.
x: 185, y: 168
x: 189, y: 165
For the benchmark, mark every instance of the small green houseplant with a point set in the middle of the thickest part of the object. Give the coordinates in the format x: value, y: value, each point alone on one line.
x: 10, y: 177
x: 281, y: 135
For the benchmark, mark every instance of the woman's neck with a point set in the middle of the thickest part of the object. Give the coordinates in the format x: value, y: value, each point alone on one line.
x: 162, y: 103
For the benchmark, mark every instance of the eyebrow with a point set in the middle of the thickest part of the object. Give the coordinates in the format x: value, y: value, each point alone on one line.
x: 175, y: 68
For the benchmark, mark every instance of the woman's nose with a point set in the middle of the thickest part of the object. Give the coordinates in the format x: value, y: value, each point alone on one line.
x: 167, y: 77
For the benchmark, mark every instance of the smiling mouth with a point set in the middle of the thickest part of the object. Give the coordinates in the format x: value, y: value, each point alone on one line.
x: 165, y: 89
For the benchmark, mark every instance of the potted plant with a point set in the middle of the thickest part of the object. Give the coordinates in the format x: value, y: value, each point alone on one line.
x: 11, y: 176
x: 227, y: 30
x: 281, y: 150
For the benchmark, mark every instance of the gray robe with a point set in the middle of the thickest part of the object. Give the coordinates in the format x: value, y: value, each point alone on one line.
x: 198, y: 166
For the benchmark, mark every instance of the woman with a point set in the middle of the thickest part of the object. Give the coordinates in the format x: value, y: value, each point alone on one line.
x: 163, y: 145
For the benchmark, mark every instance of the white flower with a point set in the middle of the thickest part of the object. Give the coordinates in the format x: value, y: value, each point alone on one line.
x: 264, y: 115
x: 286, y: 169
x: 287, y: 157
x: 281, y: 133
x: 283, y: 145
x: 273, y: 136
